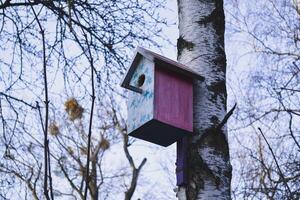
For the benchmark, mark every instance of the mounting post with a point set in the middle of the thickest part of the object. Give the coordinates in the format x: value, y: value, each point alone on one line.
x: 181, y: 162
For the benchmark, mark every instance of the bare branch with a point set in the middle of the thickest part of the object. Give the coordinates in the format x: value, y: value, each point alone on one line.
x: 135, y: 171
x: 18, y: 100
x: 87, y: 174
x: 47, y: 172
x: 277, y: 165
x: 227, y: 116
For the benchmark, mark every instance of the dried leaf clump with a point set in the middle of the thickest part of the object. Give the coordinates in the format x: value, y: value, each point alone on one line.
x: 83, y: 150
x: 73, y: 109
x: 70, y: 150
x: 53, y: 129
x: 82, y: 170
x: 104, y: 144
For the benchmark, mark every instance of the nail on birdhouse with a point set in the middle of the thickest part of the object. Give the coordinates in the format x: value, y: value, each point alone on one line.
x: 160, y: 101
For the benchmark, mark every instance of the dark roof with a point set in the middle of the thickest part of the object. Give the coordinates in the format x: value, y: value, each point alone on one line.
x: 161, y: 61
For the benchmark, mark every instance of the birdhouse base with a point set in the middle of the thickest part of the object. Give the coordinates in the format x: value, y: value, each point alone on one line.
x: 159, y: 133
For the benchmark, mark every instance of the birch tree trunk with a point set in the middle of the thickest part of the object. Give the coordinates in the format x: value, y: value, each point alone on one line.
x: 201, y: 47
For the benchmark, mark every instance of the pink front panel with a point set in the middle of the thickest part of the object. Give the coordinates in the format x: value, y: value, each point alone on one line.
x: 173, y: 99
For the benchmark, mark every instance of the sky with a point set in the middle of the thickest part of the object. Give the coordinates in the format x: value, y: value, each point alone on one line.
x: 159, y: 172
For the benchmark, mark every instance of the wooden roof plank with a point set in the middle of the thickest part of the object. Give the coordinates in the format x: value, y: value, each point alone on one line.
x: 162, y: 61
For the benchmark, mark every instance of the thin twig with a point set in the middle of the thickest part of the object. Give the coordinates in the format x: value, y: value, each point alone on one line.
x: 291, y: 131
x: 16, y: 99
x: 46, y: 145
x: 40, y: 115
x: 276, y: 162
x: 87, y: 173
x: 49, y: 171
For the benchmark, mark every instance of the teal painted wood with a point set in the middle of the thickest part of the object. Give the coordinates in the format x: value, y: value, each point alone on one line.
x: 140, y: 105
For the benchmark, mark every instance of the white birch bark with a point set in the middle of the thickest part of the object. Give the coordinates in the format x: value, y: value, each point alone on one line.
x: 201, y: 47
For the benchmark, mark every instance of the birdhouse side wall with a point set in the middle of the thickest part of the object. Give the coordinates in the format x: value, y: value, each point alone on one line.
x: 140, y: 105
x: 173, y: 99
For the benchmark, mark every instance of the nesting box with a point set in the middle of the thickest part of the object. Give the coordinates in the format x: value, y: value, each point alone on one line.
x: 160, y: 102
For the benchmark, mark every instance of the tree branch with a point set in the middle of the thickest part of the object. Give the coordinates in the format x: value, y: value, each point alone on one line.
x: 87, y: 174
x: 8, y: 3
x: 46, y: 141
x: 276, y: 162
x: 19, y: 100
x: 135, y: 171
x: 227, y: 116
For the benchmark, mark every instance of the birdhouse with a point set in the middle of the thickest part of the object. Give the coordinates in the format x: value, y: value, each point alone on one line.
x: 160, y: 101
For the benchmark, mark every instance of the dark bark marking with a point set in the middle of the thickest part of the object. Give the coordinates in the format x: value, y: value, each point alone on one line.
x: 221, y: 60
x: 199, y: 168
x: 216, y: 18
x: 183, y: 44
x: 218, y: 89
x: 214, y: 120
x: 215, y: 139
